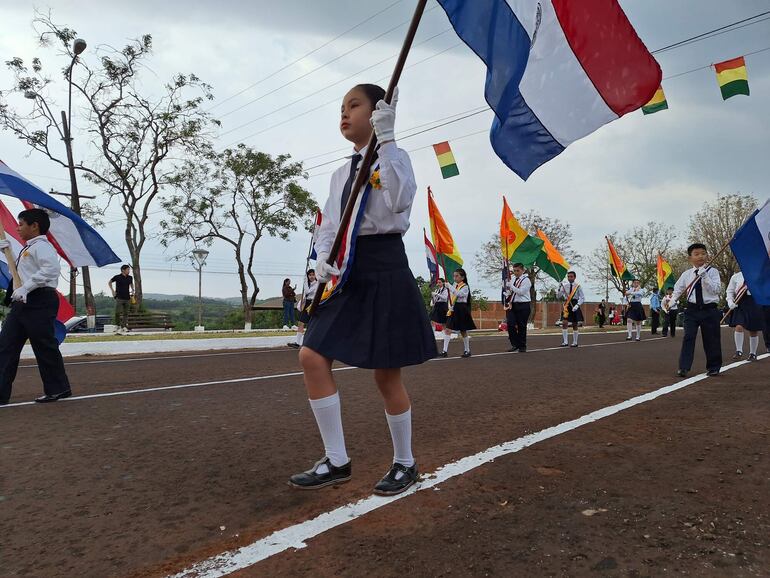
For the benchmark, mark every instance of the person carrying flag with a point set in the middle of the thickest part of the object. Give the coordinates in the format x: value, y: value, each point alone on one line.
x: 572, y: 294
x: 34, y: 305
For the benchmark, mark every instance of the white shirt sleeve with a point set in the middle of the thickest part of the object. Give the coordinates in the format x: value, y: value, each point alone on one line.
x: 45, y: 272
x: 681, y: 285
x: 712, y: 282
x: 397, y: 177
x: 580, y: 296
x: 330, y: 218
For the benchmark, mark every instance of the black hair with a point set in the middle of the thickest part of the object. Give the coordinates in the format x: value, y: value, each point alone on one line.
x: 287, y: 280
x: 39, y: 216
x: 519, y: 265
x: 694, y: 246
x: 308, y: 272
x: 374, y: 92
x: 462, y: 272
x: 124, y: 267
x: 571, y: 273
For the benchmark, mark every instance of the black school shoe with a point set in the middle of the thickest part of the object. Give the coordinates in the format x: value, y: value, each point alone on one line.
x: 293, y: 345
x: 712, y: 373
x: 752, y: 356
x: 681, y: 373
x: 312, y: 480
x: 55, y: 397
x: 390, y: 486
x: 442, y: 354
x: 466, y: 354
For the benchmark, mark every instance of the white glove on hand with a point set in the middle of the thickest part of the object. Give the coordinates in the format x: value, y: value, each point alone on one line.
x: 4, y: 244
x: 323, y: 271
x: 20, y: 295
x: 384, y: 119
x: 576, y: 307
x: 732, y: 305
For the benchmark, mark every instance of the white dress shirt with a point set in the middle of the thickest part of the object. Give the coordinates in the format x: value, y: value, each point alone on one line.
x: 440, y: 295
x: 734, y: 286
x: 38, y: 264
x: 565, y: 288
x: 519, y: 287
x: 710, y: 281
x: 669, y: 304
x: 635, y: 295
x: 460, y: 295
x: 388, y: 208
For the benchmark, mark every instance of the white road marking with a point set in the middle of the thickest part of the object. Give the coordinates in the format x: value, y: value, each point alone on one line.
x: 296, y: 536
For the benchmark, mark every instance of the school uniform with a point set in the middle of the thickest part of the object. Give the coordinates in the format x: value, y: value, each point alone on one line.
x: 701, y: 313
x: 748, y: 314
x: 671, y: 311
x: 378, y: 319
x: 635, y: 307
x: 38, y: 266
x: 440, y: 300
x: 517, y: 316
x: 459, y: 317
x: 304, y: 315
x: 654, y: 313
x: 564, y: 291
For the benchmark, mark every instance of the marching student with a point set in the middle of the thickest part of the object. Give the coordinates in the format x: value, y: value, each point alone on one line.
x: 701, y: 286
x: 670, y: 310
x: 304, y: 315
x: 745, y: 315
x: 439, y: 303
x: 34, y: 306
x: 655, y: 310
x: 459, y: 316
x: 378, y: 320
x: 635, y: 315
x: 572, y: 294
x: 519, y: 308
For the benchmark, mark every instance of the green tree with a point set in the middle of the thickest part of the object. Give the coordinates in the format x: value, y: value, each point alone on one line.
x: 237, y: 197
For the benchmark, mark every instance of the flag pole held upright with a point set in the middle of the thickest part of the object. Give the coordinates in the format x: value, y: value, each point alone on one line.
x: 9, y: 258
x: 366, y: 163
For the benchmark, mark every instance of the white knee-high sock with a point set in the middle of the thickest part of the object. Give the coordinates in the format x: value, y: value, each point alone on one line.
x: 630, y: 327
x: 565, y: 336
x: 467, y: 343
x: 739, y: 341
x: 401, y: 434
x: 328, y: 416
x: 753, y: 343
x: 447, y: 338
x: 575, y: 334
x: 300, y: 338
x: 638, y: 330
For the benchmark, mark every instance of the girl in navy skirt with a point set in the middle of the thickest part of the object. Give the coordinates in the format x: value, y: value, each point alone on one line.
x: 304, y: 317
x: 459, y: 316
x: 745, y: 315
x: 439, y: 303
x: 635, y: 314
x: 378, y: 319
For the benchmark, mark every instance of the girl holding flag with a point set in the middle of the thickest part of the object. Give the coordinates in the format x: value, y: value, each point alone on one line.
x: 459, y: 316
x: 635, y: 315
x: 377, y: 320
x: 439, y: 303
x: 745, y: 315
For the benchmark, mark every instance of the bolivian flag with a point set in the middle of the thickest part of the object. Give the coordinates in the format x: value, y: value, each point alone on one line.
x: 516, y: 245
x: 446, y: 160
x: 550, y: 260
x: 666, y: 277
x: 657, y: 103
x: 732, y: 77
x: 446, y: 251
x: 617, y: 267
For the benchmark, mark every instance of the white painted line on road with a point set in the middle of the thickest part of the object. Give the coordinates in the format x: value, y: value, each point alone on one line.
x: 297, y: 535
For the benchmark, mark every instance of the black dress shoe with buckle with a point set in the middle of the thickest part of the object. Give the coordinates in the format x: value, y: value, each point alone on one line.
x: 54, y: 397
x: 393, y: 484
x: 314, y: 480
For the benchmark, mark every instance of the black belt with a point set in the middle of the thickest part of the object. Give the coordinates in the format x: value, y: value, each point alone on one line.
x: 701, y: 307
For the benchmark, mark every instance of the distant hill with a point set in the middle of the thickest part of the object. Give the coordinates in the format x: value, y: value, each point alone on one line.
x: 234, y: 301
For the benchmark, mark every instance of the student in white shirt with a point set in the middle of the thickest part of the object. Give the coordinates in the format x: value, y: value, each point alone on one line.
x: 572, y: 294
x: 378, y: 320
x: 311, y: 284
x: 439, y: 303
x: 635, y: 315
x: 459, y: 317
x: 701, y: 287
x: 34, y: 306
x: 671, y: 310
x: 519, y: 308
x: 745, y: 314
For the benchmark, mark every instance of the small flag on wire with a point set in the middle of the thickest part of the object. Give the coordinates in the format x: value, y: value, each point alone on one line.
x: 657, y: 103
x: 446, y: 160
x: 732, y: 77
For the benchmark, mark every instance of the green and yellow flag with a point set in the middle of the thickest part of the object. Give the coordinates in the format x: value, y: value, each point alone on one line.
x: 732, y: 77
x: 447, y: 253
x: 666, y: 277
x: 617, y: 267
x: 515, y: 243
x: 657, y: 103
x: 550, y: 260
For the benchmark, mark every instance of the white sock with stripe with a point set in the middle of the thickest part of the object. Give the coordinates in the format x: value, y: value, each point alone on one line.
x: 753, y: 343
x: 328, y: 416
x: 739, y: 341
x: 401, y: 434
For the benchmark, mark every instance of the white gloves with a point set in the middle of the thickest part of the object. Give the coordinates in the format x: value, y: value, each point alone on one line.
x: 4, y: 244
x: 20, y: 294
x: 384, y: 119
x: 732, y: 305
x: 323, y: 271
x: 576, y: 307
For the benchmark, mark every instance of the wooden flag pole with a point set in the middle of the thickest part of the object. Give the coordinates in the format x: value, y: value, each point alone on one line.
x: 366, y: 163
x: 9, y: 258
x: 738, y: 297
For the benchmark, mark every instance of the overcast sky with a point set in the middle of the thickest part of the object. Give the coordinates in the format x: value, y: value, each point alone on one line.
x: 660, y: 167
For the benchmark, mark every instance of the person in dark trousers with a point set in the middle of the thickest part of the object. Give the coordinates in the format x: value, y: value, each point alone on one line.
x: 601, y: 314
x: 518, y: 308
x: 701, y: 286
x: 289, y: 302
x: 654, y: 311
x: 33, y: 311
x: 766, y: 311
x: 670, y: 312
x: 122, y: 292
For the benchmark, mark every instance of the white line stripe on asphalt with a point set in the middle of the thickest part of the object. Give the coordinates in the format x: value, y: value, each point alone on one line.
x: 297, y: 535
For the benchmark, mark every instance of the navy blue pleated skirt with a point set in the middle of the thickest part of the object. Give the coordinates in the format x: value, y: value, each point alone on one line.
x: 636, y: 312
x: 378, y: 320
x: 748, y: 315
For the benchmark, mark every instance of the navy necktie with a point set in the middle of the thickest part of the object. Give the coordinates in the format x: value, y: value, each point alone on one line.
x: 699, y: 293
x: 355, y: 159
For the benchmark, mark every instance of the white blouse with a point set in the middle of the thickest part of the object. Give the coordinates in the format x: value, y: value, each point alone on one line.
x: 461, y: 295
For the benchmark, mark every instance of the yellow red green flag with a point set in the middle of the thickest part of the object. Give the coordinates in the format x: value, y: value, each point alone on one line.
x: 447, y: 253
